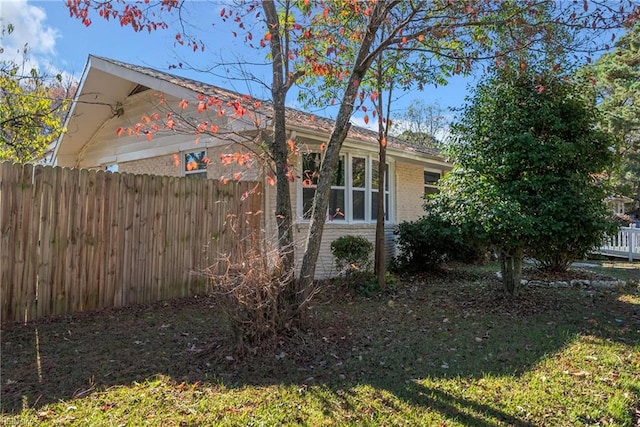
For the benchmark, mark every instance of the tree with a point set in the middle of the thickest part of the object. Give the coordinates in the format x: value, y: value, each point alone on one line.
x: 334, y: 45
x: 465, y: 32
x: 616, y: 76
x: 526, y: 153
x: 32, y: 108
x: 422, y: 123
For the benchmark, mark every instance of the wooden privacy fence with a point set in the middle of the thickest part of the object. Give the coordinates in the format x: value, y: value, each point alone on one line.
x: 75, y: 239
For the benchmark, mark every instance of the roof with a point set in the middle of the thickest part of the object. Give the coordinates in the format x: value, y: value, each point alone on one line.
x: 295, y: 117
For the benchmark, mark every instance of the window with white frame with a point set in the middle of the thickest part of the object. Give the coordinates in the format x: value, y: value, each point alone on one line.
x: 310, y: 174
x: 431, y: 179
x: 354, y: 188
x: 195, y: 164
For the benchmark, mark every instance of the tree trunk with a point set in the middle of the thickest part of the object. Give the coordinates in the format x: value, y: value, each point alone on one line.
x: 380, y: 266
x: 278, y: 146
x: 511, y: 270
x: 332, y: 154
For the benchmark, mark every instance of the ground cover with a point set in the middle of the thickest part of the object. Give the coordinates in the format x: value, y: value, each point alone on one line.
x: 445, y: 349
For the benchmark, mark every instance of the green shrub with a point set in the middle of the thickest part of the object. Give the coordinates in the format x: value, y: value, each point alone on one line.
x: 426, y: 243
x: 352, y: 253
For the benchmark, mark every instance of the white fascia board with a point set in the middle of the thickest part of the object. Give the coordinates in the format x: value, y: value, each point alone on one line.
x: 83, y: 79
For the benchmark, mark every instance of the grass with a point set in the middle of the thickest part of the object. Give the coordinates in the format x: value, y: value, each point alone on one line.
x: 441, y: 350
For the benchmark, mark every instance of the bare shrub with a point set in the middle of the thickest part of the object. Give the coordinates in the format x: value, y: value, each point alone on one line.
x: 253, y: 291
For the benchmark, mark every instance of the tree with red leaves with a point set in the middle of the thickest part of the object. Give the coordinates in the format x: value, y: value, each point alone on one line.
x: 333, y: 44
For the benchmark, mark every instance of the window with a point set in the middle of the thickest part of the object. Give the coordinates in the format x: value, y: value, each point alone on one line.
x: 195, y: 164
x: 431, y: 182
x: 310, y: 174
x: 354, y: 188
x: 111, y: 168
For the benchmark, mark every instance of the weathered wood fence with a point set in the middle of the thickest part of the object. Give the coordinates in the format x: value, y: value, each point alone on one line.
x: 74, y: 240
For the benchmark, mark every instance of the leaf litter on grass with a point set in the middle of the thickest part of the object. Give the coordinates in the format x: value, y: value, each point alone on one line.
x: 444, y: 347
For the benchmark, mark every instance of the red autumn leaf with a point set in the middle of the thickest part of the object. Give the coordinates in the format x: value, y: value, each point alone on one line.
x: 222, y: 12
x: 237, y: 176
x: 176, y: 160
x: 119, y: 131
x: 366, y: 119
x: 201, y: 107
x: 383, y: 142
x: 270, y: 180
x: 214, y: 128
x: 184, y: 104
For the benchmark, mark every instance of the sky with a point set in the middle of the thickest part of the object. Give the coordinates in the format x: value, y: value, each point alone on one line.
x: 61, y: 44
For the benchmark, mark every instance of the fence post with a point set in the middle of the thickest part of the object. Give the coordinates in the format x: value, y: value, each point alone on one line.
x: 630, y: 242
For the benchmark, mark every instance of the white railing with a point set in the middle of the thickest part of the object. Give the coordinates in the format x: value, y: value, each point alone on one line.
x: 626, y: 243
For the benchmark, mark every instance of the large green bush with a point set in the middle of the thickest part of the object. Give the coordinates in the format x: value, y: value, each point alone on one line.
x: 426, y: 243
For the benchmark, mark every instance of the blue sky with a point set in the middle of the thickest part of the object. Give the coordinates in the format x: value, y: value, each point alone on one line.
x: 60, y: 43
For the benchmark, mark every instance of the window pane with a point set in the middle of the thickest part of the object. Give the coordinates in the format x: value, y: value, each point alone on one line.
x: 307, y: 201
x: 195, y: 161
x: 338, y: 177
x: 336, y: 205
x: 374, y: 174
x: 386, y: 177
x: 374, y: 205
x: 386, y: 206
x: 431, y: 178
x: 358, y: 204
x: 310, y: 168
x: 430, y: 190
x: 111, y: 168
x: 359, y: 172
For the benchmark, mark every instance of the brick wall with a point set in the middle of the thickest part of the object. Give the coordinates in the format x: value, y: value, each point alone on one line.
x: 164, y: 165
x: 410, y: 188
x: 325, y: 266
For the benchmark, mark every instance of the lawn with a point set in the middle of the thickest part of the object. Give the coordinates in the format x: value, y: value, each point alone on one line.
x: 446, y: 349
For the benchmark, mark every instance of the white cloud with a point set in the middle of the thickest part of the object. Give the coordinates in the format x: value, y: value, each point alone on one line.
x: 29, y: 23
x: 359, y: 121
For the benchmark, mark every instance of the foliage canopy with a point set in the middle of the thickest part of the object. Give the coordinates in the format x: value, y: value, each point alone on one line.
x: 32, y: 108
x: 527, y: 155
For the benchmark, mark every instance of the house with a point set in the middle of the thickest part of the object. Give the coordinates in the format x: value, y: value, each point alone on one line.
x: 125, y: 118
x: 618, y: 204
